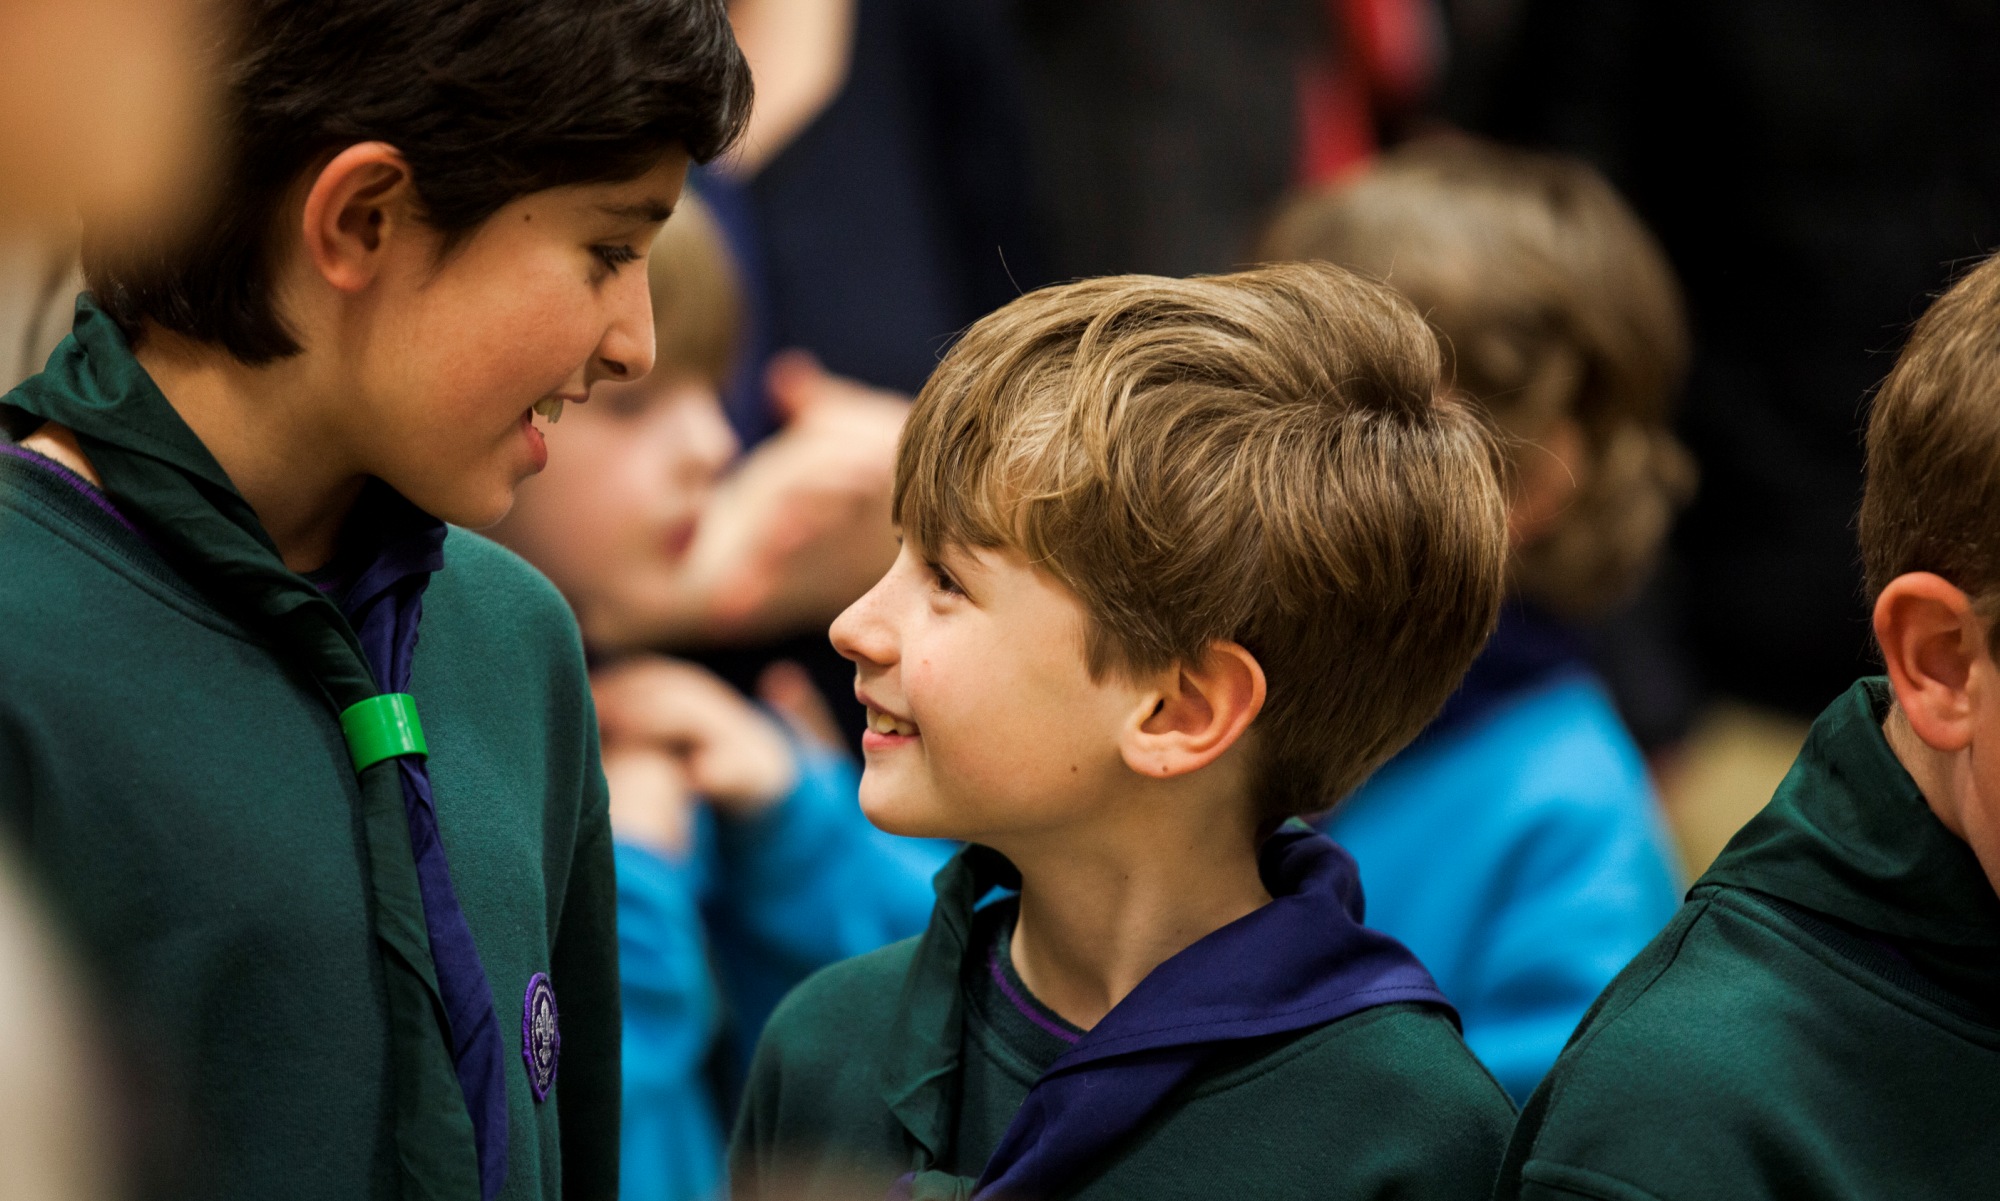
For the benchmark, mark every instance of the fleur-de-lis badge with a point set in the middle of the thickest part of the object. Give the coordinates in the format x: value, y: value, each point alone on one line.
x: 541, y: 1037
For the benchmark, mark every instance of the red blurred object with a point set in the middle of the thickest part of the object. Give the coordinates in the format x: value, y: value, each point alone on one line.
x: 1383, y: 57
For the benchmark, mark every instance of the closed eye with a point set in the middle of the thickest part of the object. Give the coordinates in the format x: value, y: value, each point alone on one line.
x: 614, y: 255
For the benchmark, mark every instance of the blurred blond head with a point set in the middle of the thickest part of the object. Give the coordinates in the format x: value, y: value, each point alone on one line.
x: 1558, y: 313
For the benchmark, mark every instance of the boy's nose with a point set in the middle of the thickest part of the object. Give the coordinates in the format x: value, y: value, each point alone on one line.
x: 626, y: 351
x: 860, y: 633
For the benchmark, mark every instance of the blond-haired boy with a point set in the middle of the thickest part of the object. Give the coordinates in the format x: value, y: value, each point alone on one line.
x: 1822, y: 1020
x: 1182, y: 559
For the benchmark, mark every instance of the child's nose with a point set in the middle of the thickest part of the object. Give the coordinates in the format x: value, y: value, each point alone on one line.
x: 861, y: 634
x: 626, y: 351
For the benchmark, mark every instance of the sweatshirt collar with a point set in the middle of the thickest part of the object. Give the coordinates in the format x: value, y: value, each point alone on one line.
x: 1848, y: 834
x: 1301, y: 961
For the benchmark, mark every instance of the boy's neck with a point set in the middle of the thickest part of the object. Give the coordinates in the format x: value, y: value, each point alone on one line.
x: 1099, y: 913
x: 1950, y: 787
x: 265, y: 429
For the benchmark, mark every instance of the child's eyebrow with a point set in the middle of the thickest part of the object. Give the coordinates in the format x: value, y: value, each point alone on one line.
x: 650, y: 212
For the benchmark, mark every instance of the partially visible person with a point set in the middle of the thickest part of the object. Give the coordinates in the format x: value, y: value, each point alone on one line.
x: 307, y: 771
x: 744, y: 862
x: 1181, y: 559
x: 1561, y: 320
x: 1822, y: 1019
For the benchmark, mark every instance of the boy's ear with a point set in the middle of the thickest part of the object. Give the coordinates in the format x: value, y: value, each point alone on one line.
x: 1201, y: 712
x: 359, y: 201
x: 1932, y: 638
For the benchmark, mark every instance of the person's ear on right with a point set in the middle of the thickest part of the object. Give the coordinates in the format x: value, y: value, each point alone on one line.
x: 363, y: 198
x: 1199, y: 711
x: 1932, y: 640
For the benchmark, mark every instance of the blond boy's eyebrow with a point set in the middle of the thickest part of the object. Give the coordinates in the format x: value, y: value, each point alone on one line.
x: 645, y: 212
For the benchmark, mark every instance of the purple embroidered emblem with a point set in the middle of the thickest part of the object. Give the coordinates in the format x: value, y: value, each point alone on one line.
x: 541, y: 1041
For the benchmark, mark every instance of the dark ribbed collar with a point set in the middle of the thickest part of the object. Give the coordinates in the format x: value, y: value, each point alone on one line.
x: 1849, y: 836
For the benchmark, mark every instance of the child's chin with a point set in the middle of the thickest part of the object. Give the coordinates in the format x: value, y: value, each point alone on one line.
x: 903, y: 816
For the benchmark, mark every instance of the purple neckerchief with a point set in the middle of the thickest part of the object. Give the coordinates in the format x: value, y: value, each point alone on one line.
x: 1301, y: 961
x: 89, y: 491
x: 384, y: 602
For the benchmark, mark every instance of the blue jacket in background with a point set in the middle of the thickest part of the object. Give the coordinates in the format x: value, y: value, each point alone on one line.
x: 754, y: 908
x: 1519, y: 851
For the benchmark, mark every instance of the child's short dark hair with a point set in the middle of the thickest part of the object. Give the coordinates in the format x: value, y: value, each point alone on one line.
x: 488, y: 100
x: 1932, y: 502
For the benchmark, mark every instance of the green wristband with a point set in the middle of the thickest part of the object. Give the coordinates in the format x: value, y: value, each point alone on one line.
x: 382, y: 727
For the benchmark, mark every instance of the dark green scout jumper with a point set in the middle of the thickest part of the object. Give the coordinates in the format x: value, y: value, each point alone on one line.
x: 1821, y: 1021
x: 872, y: 1058
x: 188, y: 806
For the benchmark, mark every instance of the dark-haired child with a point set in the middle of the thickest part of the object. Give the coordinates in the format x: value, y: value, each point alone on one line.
x: 309, y: 777
x: 1822, y: 1019
x: 1181, y: 559
x: 744, y: 862
x: 1560, y: 318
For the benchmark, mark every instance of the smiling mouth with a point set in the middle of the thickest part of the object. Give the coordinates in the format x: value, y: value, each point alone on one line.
x: 885, y: 723
x: 550, y: 407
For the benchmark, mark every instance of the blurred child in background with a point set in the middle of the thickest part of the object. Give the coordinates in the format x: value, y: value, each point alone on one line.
x: 743, y: 859
x: 1516, y: 846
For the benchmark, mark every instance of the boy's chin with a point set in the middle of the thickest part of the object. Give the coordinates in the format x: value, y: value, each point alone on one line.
x: 907, y: 817
x: 473, y: 505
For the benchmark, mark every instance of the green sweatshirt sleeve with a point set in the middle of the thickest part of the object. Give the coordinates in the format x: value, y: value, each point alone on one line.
x: 584, y: 968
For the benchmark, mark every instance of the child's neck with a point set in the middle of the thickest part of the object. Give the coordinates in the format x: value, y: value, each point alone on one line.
x: 1099, y: 915
x: 262, y: 426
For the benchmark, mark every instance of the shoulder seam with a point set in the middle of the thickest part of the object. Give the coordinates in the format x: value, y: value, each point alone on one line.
x: 118, y: 562
x: 1594, y: 1023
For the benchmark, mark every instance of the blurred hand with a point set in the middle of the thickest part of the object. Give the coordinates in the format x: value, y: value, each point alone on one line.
x: 651, y: 803
x: 722, y: 748
x: 802, y: 528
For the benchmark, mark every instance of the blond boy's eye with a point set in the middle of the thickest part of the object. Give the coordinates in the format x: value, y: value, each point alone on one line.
x: 943, y: 580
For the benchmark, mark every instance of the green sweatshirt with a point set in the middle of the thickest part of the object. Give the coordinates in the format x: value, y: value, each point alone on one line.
x: 190, y: 812
x: 1821, y: 1021
x: 1387, y: 1103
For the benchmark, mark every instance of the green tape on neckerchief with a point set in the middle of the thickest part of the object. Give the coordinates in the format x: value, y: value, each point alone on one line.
x: 382, y: 727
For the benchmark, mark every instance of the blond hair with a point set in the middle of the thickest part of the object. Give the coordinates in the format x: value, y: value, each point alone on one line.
x: 1553, y: 303
x: 697, y: 295
x: 1932, y: 501
x: 1266, y: 458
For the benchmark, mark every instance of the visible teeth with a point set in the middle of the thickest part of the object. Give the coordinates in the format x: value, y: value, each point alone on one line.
x: 550, y: 407
x: 882, y: 723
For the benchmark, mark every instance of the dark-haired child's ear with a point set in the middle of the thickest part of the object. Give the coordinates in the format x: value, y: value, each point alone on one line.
x: 1932, y: 639
x: 1201, y: 712
x: 356, y: 204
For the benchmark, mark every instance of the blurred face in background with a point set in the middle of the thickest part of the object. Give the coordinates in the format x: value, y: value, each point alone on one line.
x: 105, y: 106
x: 612, y: 518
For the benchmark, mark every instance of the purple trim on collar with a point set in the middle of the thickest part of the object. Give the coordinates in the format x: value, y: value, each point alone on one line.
x: 90, y: 491
x: 1027, y: 1007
